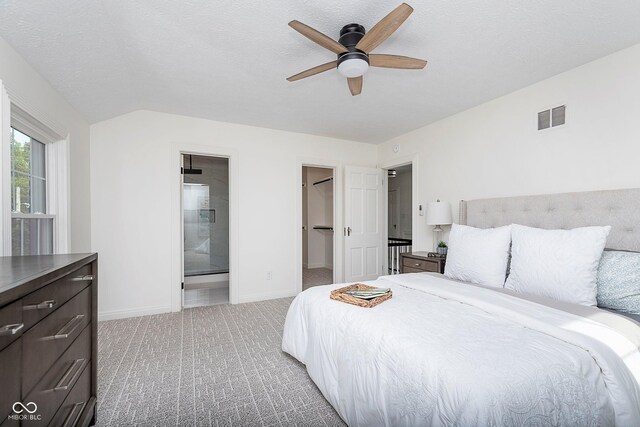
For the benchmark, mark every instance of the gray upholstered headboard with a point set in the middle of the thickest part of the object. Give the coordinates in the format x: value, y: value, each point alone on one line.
x: 618, y: 208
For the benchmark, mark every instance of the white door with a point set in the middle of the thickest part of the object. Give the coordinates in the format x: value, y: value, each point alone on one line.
x: 363, y: 224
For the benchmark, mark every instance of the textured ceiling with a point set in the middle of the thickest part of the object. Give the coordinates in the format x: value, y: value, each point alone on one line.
x: 228, y: 60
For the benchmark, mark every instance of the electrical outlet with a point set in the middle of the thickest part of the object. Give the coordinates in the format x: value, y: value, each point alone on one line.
x: 269, y: 275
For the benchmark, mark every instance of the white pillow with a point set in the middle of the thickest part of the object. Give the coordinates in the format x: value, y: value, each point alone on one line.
x: 478, y: 255
x: 561, y: 264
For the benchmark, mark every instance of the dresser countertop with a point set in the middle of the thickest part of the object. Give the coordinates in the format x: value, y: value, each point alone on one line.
x: 21, y: 275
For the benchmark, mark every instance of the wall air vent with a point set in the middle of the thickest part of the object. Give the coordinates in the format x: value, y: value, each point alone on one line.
x: 558, y: 115
x: 552, y: 117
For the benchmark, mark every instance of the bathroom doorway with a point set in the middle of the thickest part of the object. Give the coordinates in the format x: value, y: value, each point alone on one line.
x: 205, y: 211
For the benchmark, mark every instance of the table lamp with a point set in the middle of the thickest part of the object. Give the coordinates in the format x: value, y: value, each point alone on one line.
x: 438, y: 214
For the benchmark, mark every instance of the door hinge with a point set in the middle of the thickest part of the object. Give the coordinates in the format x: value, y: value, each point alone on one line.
x: 181, y: 171
x: 182, y: 285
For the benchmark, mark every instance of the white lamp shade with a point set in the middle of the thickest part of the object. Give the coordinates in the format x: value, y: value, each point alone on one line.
x: 439, y: 213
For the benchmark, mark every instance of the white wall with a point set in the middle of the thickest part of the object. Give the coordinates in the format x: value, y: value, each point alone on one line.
x: 494, y: 150
x: 133, y: 158
x: 35, y: 95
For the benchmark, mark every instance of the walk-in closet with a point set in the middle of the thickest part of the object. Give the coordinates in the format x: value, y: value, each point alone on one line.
x: 317, y: 226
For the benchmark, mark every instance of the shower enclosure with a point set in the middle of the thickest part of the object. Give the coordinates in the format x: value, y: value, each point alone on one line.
x: 206, y: 215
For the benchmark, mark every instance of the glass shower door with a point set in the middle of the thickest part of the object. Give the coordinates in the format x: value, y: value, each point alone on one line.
x: 206, y: 216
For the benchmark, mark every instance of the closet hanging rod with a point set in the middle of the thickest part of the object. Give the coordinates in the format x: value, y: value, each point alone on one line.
x: 323, y: 180
x: 323, y: 227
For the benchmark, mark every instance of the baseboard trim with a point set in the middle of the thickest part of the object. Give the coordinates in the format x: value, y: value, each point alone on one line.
x: 263, y: 296
x: 312, y: 266
x: 211, y: 285
x: 211, y: 278
x: 133, y: 312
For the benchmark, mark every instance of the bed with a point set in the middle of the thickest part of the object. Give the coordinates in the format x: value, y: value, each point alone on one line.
x: 442, y: 352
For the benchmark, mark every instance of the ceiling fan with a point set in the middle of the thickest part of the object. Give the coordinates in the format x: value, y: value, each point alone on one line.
x: 354, y: 49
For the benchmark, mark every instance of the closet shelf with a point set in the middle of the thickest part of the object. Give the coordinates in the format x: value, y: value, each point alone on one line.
x: 323, y: 227
x: 323, y: 180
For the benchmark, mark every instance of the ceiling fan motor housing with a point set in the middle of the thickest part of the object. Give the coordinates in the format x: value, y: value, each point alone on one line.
x: 350, y: 35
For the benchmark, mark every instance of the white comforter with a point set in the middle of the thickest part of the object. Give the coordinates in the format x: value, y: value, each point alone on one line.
x: 446, y: 353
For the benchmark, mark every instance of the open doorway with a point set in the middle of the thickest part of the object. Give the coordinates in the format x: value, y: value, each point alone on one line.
x: 399, y: 214
x: 317, y: 226
x: 205, y: 211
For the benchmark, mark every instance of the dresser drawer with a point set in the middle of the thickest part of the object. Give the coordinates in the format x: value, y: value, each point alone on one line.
x: 419, y: 264
x: 47, y: 340
x: 52, y: 390
x: 10, y: 360
x: 76, y: 402
x: 11, y: 324
x: 39, y: 304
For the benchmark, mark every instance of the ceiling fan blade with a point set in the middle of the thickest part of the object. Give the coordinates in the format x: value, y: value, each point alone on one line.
x: 383, y: 29
x: 355, y: 85
x: 313, y: 71
x: 317, y: 37
x: 396, y: 61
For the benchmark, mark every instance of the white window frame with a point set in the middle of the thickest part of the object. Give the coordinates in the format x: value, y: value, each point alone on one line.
x: 18, y: 114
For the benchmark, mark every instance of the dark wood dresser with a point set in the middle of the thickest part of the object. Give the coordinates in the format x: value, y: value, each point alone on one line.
x: 48, y: 340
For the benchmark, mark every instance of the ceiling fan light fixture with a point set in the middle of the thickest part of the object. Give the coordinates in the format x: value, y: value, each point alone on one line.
x: 353, y: 67
x: 354, y: 49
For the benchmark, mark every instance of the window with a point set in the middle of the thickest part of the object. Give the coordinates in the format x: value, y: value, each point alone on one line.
x: 32, y: 229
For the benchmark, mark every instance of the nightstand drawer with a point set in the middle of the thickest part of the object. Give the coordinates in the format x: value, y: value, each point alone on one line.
x: 419, y: 264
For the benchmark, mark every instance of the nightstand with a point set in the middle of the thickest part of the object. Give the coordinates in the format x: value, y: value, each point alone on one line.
x: 419, y: 262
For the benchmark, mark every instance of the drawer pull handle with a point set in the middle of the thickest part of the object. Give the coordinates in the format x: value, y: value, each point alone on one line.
x: 85, y: 278
x: 68, y: 329
x: 72, y: 418
x: 10, y: 329
x: 43, y: 305
x: 417, y: 264
x: 72, y: 375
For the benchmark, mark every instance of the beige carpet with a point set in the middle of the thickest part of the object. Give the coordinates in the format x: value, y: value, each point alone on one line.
x: 315, y: 277
x: 209, y: 366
